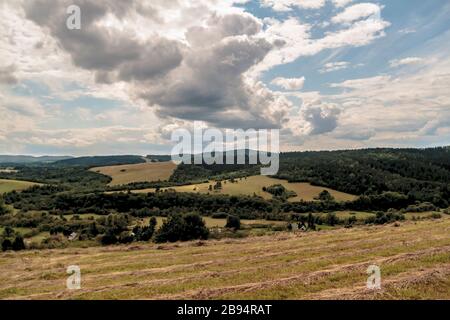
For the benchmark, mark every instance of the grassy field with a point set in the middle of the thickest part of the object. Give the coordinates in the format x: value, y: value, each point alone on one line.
x: 142, y: 172
x: 414, y: 259
x: 10, y: 185
x: 254, y: 184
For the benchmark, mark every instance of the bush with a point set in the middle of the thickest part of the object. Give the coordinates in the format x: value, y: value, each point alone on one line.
x: 179, y: 227
x: 145, y: 233
x: 126, y: 237
x: 279, y: 191
x: 436, y: 215
x: 3, y: 209
x: 383, y: 218
x: 18, y: 244
x: 331, y: 219
x: 421, y: 207
x: 6, y: 245
x: 108, y: 238
x: 325, y: 196
x: 233, y: 222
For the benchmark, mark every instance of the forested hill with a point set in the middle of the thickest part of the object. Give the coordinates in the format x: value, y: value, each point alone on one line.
x: 5, y: 159
x: 363, y: 170
x: 98, y: 161
x: 422, y: 174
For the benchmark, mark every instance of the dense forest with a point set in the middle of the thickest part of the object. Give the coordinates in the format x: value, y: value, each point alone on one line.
x: 420, y: 174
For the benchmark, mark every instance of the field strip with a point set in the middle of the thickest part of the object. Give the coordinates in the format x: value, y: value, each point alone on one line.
x: 255, y: 258
x: 308, y: 277
x: 329, y: 239
x: 247, y: 287
x: 361, y: 292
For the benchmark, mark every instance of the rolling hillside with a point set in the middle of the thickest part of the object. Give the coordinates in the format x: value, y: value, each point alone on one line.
x: 11, y: 185
x: 254, y: 185
x: 142, y: 172
x: 414, y: 259
x: 101, y: 161
x: 30, y: 159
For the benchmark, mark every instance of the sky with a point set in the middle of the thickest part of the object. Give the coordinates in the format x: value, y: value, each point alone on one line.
x: 329, y: 74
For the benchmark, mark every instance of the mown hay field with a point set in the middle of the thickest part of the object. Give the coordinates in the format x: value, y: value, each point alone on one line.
x: 11, y: 185
x: 254, y: 185
x: 414, y: 259
x: 141, y: 172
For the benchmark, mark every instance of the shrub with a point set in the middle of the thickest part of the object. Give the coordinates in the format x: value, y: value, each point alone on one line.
x: 179, y: 227
x: 421, y: 207
x: 383, y: 217
x: 279, y: 191
x: 436, y: 215
x: 125, y: 237
x: 145, y: 233
x: 108, y: 238
x: 18, y: 244
x: 325, y: 196
x: 331, y: 219
x: 3, y: 209
x: 233, y: 222
x: 6, y: 245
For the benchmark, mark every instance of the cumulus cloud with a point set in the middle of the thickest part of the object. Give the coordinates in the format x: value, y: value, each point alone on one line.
x: 406, y: 61
x: 320, y: 117
x: 295, y: 41
x: 357, y: 12
x: 289, y: 83
x: 208, y: 68
x: 334, y: 66
x: 288, y: 5
x: 341, y: 3
x: 415, y: 105
x: 96, y: 47
x: 7, y: 75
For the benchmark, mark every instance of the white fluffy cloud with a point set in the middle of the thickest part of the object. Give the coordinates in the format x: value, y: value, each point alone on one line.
x: 405, y: 61
x: 357, y: 12
x: 341, y: 3
x: 289, y: 83
x: 334, y: 66
x: 288, y: 5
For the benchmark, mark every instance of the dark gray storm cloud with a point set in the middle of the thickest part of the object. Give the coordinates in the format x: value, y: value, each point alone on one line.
x: 95, y: 48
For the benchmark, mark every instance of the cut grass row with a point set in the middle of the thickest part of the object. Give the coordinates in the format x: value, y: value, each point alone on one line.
x: 295, y: 266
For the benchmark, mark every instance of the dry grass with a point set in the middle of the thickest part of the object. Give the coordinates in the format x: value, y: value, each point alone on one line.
x: 254, y: 185
x: 142, y: 172
x: 10, y: 185
x: 414, y: 259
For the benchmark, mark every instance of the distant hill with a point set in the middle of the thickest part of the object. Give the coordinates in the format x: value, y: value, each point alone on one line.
x: 419, y: 174
x: 30, y: 159
x: 100, y: 161
x: 159, y: 158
